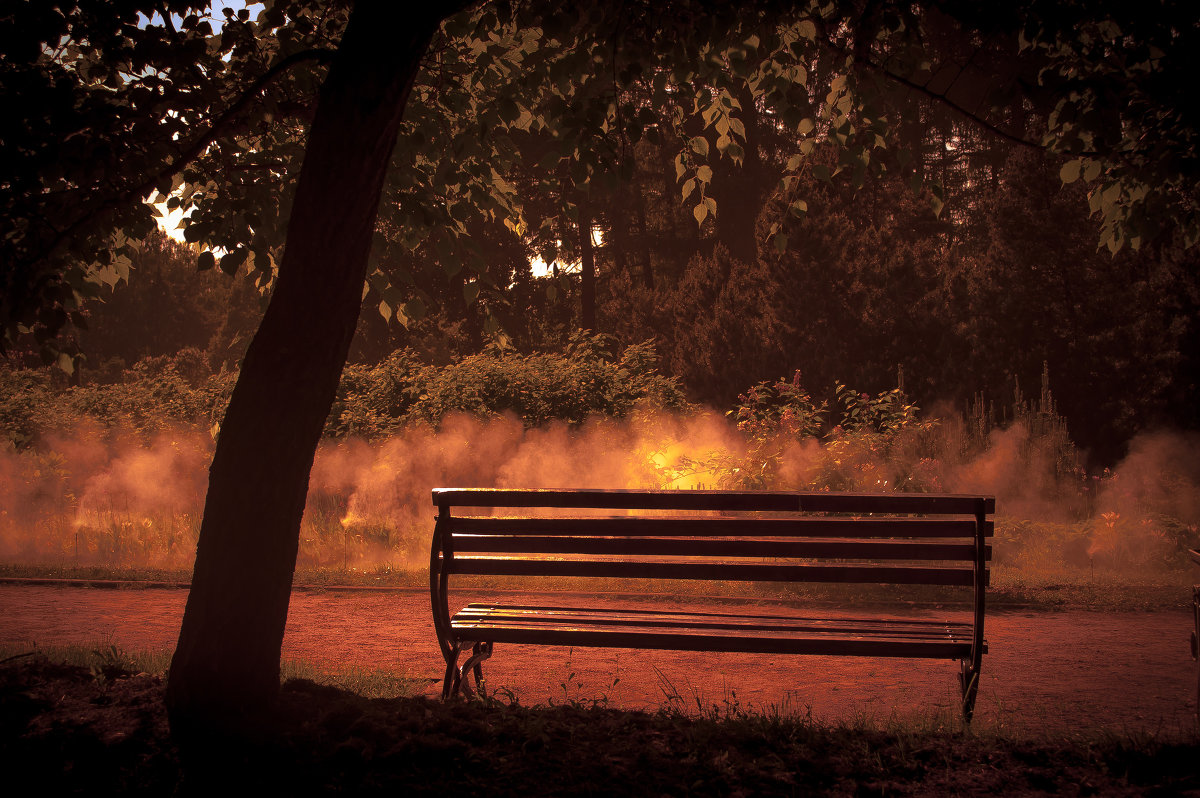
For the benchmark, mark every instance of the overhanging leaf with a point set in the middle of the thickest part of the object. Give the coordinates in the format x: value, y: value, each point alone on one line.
x: 1070, y: 170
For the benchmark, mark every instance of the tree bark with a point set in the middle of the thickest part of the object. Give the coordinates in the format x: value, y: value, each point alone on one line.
x: 587, y: 284
x: 644, y: 241
x: 225, y: 670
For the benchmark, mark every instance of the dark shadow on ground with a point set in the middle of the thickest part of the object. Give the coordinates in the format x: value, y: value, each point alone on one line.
x: 71, y: 730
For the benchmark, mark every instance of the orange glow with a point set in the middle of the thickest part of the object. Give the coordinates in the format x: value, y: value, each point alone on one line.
x: 111, y: 498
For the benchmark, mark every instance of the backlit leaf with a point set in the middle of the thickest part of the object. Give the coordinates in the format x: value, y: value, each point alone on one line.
x: 1070, y: 170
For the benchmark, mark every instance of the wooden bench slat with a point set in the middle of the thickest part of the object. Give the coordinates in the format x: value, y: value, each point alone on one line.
x: 700, y: 619
x: 712, y: 571
x: 479, y: 616
x: 633, y: 526
x: 468, y: 629
x: 691, y: 615
x: 726, y: 642
x: 777, y: 501
x: 620, y: 546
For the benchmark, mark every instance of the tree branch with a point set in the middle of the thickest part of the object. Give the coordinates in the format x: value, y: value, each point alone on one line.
x: 933, y: 95
x: 320, y: 55
x: 193, y: 151
x: 960, y: 110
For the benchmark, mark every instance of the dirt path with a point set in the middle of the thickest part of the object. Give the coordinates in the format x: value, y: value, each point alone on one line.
x: 1052, y: 672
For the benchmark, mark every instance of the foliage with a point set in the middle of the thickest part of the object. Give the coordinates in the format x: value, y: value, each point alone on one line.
x: 166, y: 306
x: 964, y: 303
x: 771, y: 416
x: 871, y: 445
x: 154, y: 396
x: 769, y: 411
x: 116, y: 102
x: 372, y: 400
x: 582, y: 380
x: 523, y: 118
x: 885, y: 413
x: 531, y: 133
x: 1125, y: 112
x: 24, y: 397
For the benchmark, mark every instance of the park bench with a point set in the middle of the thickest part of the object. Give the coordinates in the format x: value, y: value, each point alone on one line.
x: 752, y: 536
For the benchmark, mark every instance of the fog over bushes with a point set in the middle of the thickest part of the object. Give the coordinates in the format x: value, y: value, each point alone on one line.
x: 115, y: 474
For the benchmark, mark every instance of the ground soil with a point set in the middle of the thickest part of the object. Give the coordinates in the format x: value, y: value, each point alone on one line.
x: 1059, y: 674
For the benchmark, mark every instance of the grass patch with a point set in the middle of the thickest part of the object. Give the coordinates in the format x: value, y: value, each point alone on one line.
x: 366, y: 682
x: 100, y: 658
x: 93, y: 572
x: 1103, y: 591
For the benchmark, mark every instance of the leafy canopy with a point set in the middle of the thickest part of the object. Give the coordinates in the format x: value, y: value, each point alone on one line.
x: 520, y: 111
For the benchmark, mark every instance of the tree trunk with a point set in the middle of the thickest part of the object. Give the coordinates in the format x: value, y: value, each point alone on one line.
x: 587, y: 283
x: 644, y: 241
x: 225, y: 670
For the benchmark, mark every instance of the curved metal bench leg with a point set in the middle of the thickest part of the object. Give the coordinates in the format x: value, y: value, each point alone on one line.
x: 479, y: 652
x: 968, y: 680
x: 450, y: 682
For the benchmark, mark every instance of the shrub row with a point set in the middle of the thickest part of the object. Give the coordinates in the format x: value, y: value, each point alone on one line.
x: 373, y: 401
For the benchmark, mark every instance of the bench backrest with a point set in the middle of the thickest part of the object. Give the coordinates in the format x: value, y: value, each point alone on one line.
x: 762, y: 536
x: 768, y: 536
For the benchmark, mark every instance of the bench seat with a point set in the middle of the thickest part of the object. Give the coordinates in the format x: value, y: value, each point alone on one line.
x: 712, y: 631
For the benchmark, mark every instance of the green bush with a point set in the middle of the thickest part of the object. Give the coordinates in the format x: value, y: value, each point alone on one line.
x: 373, y: 401
x: 583, y: 380
x: 24, y: 396
x: 875, y: 443
x: 156, y: 394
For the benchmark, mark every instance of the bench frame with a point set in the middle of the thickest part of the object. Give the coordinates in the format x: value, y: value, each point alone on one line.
x: 814, y: 534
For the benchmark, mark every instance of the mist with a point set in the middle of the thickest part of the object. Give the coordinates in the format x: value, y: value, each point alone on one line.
x: 118, y: 499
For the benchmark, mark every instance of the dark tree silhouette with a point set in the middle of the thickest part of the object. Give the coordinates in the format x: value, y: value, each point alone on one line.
x: 226, y: 666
